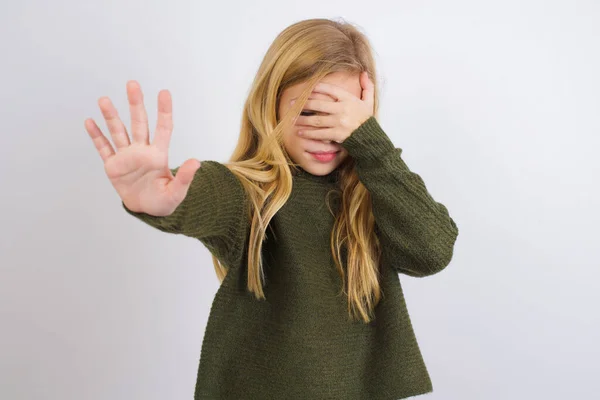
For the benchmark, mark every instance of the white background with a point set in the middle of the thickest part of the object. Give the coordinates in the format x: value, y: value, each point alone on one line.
x: 495, y: 105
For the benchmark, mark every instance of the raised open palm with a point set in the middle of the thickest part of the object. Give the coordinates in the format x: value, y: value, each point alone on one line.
x: 138, y: 169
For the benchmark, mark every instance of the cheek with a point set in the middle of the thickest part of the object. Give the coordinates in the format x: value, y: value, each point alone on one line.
x: 291, y: 133
x: 290, y: 139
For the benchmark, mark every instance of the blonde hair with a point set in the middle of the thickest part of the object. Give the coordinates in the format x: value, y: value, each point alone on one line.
x: 306, y: 51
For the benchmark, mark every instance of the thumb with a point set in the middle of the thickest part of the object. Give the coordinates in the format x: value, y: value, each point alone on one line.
x: 368, y: 93
x: 185, y: 174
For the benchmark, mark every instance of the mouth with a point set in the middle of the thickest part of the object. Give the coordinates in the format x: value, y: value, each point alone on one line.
x: 323, y: 152
x: 324, y: 156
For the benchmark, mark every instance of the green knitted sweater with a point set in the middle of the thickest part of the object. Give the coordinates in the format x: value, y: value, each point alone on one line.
x: 299, y: 343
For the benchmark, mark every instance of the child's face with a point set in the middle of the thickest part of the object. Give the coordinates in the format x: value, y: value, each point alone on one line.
x: 299, y: 148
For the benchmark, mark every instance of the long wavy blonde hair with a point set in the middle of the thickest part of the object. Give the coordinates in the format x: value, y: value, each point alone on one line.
x: 306, y: 51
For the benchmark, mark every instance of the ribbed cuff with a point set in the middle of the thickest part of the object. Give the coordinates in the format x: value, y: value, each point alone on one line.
x: 368, y: 142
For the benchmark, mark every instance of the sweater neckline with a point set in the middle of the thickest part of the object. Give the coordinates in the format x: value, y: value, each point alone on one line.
x: 300, y: 173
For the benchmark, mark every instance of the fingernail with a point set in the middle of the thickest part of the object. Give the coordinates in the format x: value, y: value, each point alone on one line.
x: 292, y: 102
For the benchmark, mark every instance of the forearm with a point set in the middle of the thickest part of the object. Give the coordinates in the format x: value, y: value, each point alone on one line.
x: 416, y: 232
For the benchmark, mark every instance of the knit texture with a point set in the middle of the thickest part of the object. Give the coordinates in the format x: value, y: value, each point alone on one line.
x: 299, y: 343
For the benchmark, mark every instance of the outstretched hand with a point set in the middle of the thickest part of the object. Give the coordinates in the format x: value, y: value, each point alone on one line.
x: 138, y: 169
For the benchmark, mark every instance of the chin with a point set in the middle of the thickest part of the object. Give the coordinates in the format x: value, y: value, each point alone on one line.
x: 320, y: 169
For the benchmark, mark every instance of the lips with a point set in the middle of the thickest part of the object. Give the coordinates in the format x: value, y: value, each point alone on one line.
x: 324, y: 152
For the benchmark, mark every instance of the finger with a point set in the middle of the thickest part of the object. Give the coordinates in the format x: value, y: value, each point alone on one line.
x: 164, y: 123
x: 318, y: 134
x: 319, y: 121
x: 326, y: 106
x: 338, y: 93
x: 100, y: 141
x: 368, y: 92
x: 116, y: 127
x: 139, y: 118
x: 180, y: 185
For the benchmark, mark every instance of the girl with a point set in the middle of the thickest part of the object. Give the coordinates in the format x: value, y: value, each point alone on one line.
x: 309, y: 224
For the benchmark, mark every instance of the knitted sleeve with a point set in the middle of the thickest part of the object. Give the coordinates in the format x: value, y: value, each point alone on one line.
x: 417, y: 233
x: 214, y: 211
